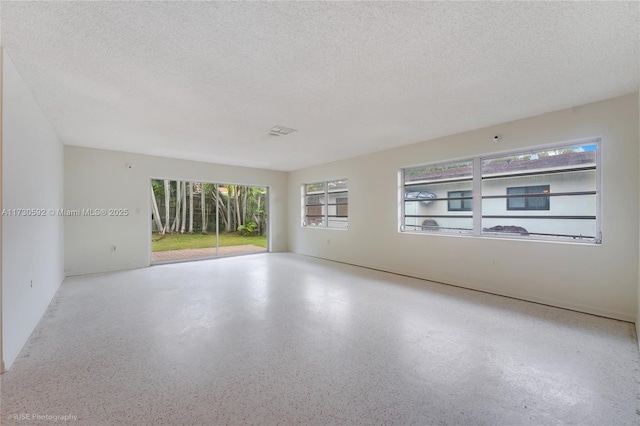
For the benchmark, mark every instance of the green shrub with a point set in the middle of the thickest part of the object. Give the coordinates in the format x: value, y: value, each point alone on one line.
x: 248, y: 229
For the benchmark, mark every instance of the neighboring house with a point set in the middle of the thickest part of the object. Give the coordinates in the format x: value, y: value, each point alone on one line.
x: 558, y: 195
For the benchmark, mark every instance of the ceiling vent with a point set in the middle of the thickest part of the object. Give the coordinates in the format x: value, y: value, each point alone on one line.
x: 280, y: 131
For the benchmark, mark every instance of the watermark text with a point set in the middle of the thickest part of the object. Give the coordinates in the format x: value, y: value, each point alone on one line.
x: 43, y: 417
x: 65, y: 212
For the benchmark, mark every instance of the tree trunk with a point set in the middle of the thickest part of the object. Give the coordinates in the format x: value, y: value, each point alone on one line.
x: 222, y: 210
x: 167, y: 207
x: 176, y: 220
x: 245, y: 195
x: 191, y: 207
x: 184, y: 207
x: 156, y: 213
x: 237, y: 200
x: 228, y: 228
x: 257, y: 216
x: 203, y: 208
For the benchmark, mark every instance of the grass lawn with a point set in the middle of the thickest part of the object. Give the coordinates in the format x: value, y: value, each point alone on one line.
x: 189, y: 241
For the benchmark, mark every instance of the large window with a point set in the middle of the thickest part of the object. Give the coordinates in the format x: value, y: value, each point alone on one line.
x: 548, y: 193
x: 326, y: 204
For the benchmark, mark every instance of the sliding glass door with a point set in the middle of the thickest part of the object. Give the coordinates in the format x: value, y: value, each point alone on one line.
x: 200, y: 220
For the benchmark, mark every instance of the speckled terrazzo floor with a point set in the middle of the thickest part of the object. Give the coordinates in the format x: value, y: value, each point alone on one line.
x: 286, y: 339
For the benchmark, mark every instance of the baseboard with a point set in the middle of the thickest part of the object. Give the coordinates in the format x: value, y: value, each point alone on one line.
x: 589, y: 310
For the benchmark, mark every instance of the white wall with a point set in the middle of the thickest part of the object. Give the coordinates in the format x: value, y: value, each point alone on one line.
x: 600, y: 279
x: 33, y: 247
x: 97, y: 178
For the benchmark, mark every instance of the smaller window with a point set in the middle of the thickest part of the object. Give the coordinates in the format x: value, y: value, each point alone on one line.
x: 326, y: 204
x: 461, y: 204
x: 533, y: 199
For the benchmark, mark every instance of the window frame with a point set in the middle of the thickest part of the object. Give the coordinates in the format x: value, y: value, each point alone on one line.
x: 442, y: 165
x: 341, y: 206
x: 478, y: 197
x: 326, y: 205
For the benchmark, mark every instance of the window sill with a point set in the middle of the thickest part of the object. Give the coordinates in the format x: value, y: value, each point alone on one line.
x: 505, y: 238
x: 324, y: 228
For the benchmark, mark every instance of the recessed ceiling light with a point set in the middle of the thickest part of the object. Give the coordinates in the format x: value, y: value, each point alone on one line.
x: 280, y: 131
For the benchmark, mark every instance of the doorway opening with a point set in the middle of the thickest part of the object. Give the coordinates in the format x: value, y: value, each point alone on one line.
x: 203, y: 220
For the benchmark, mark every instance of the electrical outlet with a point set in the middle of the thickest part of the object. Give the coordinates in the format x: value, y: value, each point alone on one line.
x: 31, y: 283
x: 328, y: 241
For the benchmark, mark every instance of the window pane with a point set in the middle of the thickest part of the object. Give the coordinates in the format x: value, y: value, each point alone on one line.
x: 338, y: 222
x: 314, y: 211
x: 450, y: 225
x: 455, y: 204
x: 575, y: 227
x: 537, y: 203
x: 438, y: 172
x: 427, y: 191
x: 462, y: 204
x: 314, y: 199
x: 337, y: 185
x: 571, y: 157
x: 435, y: 216
x: 314, y: 188
x: 314, y: 221
x: 558, y: 188
x: 338, y: 199
x: 516, y: 203
x: 342, y: 207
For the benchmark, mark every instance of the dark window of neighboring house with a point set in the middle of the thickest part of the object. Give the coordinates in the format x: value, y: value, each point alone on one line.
x: 460, y: 205
x: 536, y: 202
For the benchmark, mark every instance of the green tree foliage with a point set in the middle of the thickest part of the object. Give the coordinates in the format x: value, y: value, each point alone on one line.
x: 239, y: 208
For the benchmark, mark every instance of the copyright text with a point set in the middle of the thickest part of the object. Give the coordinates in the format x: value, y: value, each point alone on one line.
x: 64, y: 212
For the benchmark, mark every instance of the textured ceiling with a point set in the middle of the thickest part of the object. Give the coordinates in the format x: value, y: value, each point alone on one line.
x: 207, y: 80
